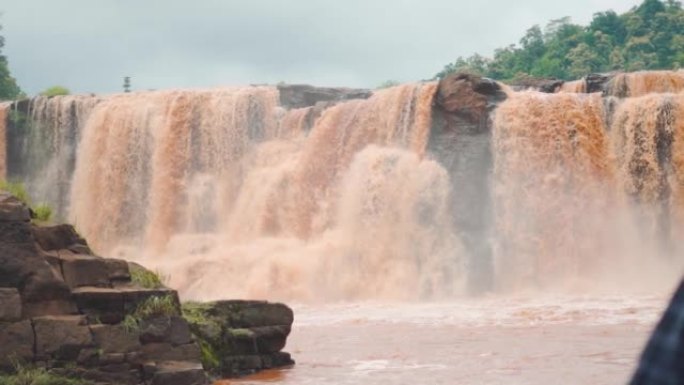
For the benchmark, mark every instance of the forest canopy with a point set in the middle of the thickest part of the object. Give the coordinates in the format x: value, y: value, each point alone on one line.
x: 8, y: 85
x: 648, y: 37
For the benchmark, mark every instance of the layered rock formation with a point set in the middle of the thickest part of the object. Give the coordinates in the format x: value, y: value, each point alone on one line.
x: 241, y: 337
x: 80, y: 315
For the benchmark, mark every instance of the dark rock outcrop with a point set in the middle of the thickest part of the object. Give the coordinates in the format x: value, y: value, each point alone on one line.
x: 547, y: 85
x: 461, y: 141
x: 61, y: 308
x: 241, y: 337
x: 80, y: 315
x: 302, y: 95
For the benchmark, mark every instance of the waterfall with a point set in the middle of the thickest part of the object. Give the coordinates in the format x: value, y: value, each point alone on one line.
x: 584, y: 190
x: 410, y: 192
x: 5, y: 109
x: 192, y: 178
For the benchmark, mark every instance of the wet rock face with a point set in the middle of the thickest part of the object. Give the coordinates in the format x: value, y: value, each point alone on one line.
x: 461, y: 141
x: 302, y: 95
x: 62, y: 308
x: 547, y: 85
x: 241, y: 337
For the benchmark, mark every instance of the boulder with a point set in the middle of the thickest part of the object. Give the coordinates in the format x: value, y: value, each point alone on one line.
x: 103, y: 305
x: 17, y: 234
x: 546, y: 85
x: 115, y: 339
x: 302, y: 95
x: 84, y: 270
x: 469, y: 97
x: 238, y: 342
x: 241, y: 337
x: 12, y: 209
x: 49, y: 307
x: 246, y: 314
x: 59, y: 237
x: 118, y: 269
x: 597, y: 82
x: 17, y: 341
x: 233, y: 366
x: 179, y: 373
x: 61, y: 337
x: 158, y: 352
x: 276, y: 360
x: 271, y: 339
x: 173, y: 329
x: 10, y: 305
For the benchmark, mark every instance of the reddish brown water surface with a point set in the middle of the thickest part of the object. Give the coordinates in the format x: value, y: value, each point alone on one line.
x: 554, y: 340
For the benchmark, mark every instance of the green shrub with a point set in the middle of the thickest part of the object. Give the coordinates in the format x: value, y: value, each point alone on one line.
x: 387, y: 84
x: 28, y: 375
x: 42, y: 212
x: 210, y: 358
x: 194, y: 312
x: 55, y: 91
x: 16, y: 189
x: 147, y: 279
x: 156, y: 306
x: 130, y: 324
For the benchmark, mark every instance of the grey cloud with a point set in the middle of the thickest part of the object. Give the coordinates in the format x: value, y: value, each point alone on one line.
x: 90, y: 45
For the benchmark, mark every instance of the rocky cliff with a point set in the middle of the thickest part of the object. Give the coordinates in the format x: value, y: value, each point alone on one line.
x: 107, y: 321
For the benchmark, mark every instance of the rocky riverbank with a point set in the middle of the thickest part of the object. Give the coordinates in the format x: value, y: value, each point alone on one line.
x: 74, y: 314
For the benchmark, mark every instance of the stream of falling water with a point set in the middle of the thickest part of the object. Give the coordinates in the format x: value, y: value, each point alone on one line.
x: 228, y: 194
x: 578, y: 202
x: 5, y: 109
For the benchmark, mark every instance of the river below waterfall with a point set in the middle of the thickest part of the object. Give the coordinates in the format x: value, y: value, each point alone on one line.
x: 547, y: 340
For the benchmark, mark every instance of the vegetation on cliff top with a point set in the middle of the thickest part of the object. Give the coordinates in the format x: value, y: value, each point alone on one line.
x: 648, y: 37
x: 8, y: 85
x: 146, y: 278
x: 55, y: 91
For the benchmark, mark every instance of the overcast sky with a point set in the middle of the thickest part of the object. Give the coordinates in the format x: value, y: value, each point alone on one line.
x: 90, y: 45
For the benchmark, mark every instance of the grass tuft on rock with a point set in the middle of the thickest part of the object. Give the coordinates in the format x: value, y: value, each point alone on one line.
x: 131, y: 324
x: 16, y: 189
x: 194, y: 312
x: 147, y: 279
x: 29, y: 375
x: 156, y: 306
x: 42, y: 212
x: 210, y: 358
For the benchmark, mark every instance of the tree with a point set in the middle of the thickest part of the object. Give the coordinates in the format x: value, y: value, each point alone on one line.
x: 8, y: 85
x: 649, y: 36
x: 55, y: 91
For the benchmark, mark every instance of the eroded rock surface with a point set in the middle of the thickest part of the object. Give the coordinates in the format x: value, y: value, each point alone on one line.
x: 241, y: 337
x: 461, y: 141
x: 63, y: 308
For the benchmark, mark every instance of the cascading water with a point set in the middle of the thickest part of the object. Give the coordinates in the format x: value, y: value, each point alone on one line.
x: 5, y: 109
x: 227, y: 193
x: 648, y: 133
x: 645, y: 82
x: 575, y: 86
x: 41, y: 146
x: 563, y: 180
x: 232, y: 195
